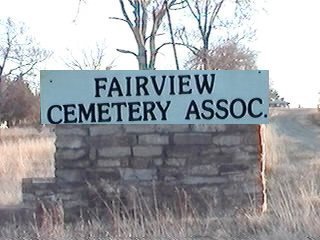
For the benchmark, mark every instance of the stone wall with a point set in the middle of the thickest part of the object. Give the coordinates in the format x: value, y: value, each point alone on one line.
x: 216, y: 166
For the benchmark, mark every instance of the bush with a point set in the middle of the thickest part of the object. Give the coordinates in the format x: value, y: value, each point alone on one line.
x: 18, y: 104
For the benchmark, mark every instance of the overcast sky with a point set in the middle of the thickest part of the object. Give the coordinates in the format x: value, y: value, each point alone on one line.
x: 288, y: 38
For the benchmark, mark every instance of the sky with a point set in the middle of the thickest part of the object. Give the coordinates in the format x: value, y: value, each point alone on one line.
x: 287, y: 38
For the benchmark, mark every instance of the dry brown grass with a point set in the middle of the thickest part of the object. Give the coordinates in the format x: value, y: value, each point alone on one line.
x: 23, y: 153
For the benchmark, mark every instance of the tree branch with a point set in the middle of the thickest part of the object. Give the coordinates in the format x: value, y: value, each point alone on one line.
x: 191, y: 48
x: 120, y: 19
x: 125, y: 14
x: 127, y: 51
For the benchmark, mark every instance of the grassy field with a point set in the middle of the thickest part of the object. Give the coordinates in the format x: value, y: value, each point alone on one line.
x: 24, y: 152
x: 293, y: 199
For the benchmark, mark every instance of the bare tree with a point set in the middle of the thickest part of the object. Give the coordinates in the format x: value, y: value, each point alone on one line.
x: 19, y: 53
x: 93, y: 59
x: 209, y: 15
x: 273, y: 94
x: 227, y: 55
x: 145, y: 30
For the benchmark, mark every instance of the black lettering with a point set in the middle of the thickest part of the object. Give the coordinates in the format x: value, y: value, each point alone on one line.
x: 69, y: 111
x: 99, y: 86
x: 103, y: 108
x: 49, y: 114
x: 119, y: 106
x: 163, y: 110
x: 250, y: 107
x: 158, y: 89
x: 184, y: 81
x: 128, y: 94
x: 84, y: 114
x: 172, y: 92
x: 242, y: 111
x: 193, y: 109
x: 115, y: 86
x: 204, y: 84
x: 134, y: 107
x: 205, y: 106
x: 222, y: 108
x: 148, y: 108
x: 141, y: 85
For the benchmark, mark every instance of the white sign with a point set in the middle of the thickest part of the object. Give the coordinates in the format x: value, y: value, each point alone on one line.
x: 154, y: 97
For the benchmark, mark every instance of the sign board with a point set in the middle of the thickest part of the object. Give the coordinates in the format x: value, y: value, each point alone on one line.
x: 154, y: 97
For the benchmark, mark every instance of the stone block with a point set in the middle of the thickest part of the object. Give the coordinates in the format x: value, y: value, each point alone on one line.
x: 246, y: 157
x: 140, y: 162
x: 92, y: 154
x: 250, y: 148
x: 108, y: 163
x: 192, y: 138
x: 114, y: 152
x: 70, y: 187
x: 194, y: 180
x: 147, y: 151
x: 140, y: 128
x: 110, y: 141
x: 129, y: 174
x: 243, y: 128
x: 209, y: 128
x: 180, y: 151
x: 157, y: 161
x: 95, y: 175
x: 70, y: 154
x: 28, y: 197
x: 204, y: 170
x: 69, y: 196
x: 79, y: 163
x: 75, y: 203
x: 70, y: 175
x: 250, y: 139
x: 210, y: 152
x: 153, y: 139
x: 73, y: 142
x: 232, y: 150
x: 231, y: 168
x: 172, y: 128
x: 209, y: 190
x: 243, y: 176
x: 71, y: 131
x: 232, y: 189
x: 227, y: 140
x: 102, y: 130
x: 176, y: 162
x: 171, y: 174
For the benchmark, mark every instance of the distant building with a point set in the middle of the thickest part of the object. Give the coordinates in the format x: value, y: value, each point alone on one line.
x: 281, y: 103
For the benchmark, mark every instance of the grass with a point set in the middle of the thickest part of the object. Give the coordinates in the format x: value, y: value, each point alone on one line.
x: 293, y: 202
x: 23, y: 153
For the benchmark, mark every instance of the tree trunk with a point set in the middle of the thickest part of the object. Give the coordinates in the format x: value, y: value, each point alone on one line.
x: 142, y: 58
x: 205, y: 53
